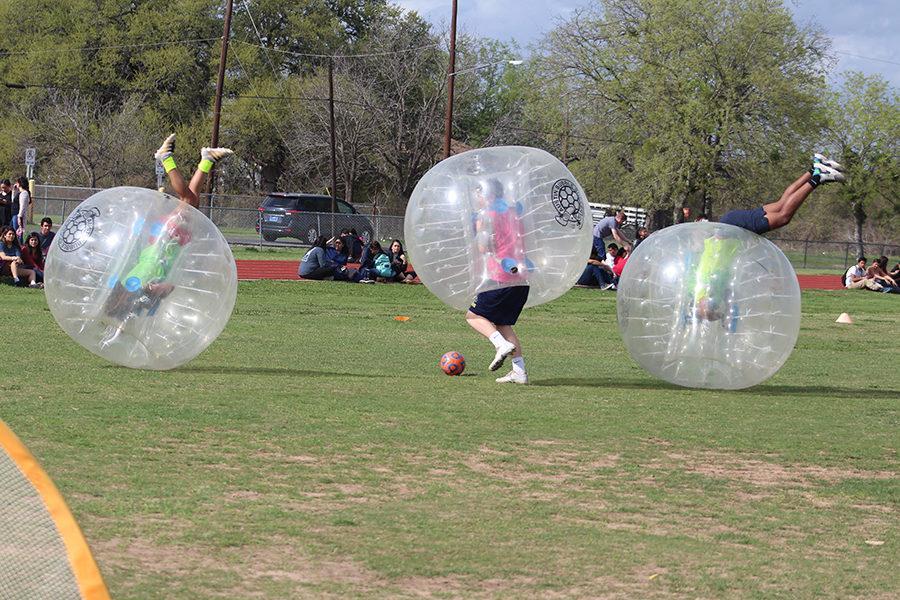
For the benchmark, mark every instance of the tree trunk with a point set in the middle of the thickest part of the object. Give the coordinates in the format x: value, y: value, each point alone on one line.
x: 659, y: 218
x: 269, y: 176
x: 859, y: 217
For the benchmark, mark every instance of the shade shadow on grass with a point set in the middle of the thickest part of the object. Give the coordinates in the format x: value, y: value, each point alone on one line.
x: 759, y: 390
x: 244, y: 371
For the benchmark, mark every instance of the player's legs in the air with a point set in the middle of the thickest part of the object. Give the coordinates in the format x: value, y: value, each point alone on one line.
x: 188, y: 192
x: 824, y: 170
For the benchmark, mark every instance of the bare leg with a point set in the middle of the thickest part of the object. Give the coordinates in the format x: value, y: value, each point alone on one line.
x: 480, y: 324
x: 507, y: 332
x: 184, y: 191
x: 780, y: 213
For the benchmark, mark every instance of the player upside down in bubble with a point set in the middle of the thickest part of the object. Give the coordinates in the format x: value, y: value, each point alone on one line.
x: 145, y: 285
x: 711, y: 289
x: 498, y: 234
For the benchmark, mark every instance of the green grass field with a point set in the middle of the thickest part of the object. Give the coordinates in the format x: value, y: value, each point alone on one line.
x: 316, y: 450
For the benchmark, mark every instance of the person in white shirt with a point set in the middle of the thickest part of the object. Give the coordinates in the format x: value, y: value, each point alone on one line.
x: 856, y: 278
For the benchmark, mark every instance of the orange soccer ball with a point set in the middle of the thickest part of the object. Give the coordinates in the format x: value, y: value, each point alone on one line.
x: 453, y: 363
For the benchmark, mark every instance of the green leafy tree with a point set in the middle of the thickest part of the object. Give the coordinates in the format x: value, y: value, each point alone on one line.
x: 864, y: 131
x: 701, y: 100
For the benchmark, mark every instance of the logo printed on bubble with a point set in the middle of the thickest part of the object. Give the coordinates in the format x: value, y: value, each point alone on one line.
x: 77, y: 229
x: 567, y: 203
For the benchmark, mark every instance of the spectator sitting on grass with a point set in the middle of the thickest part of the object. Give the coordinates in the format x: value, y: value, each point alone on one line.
x: 399, y: 263
x: 375, y: 263
x: 314, y: 264
x: 619, y: 262
x: 895, y: 272
x: 642, y: 234
x: 352, y: 243
x: 336, y: 256
x: 33, y: 256
x: 46, y: 235
x: 11, y: 262
x: 878, y: 271
x: 596, y: 273
x: 856, y: 277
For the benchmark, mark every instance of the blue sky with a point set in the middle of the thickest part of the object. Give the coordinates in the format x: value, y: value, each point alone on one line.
x: 865, y: 28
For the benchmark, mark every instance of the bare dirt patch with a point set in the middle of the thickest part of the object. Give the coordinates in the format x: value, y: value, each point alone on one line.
x: 764, y: 473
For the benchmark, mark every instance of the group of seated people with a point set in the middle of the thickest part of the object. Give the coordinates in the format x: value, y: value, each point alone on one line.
x: 329, y: 259
x: 875, y: 277
x: 22, y: 259
x: 604, y: 270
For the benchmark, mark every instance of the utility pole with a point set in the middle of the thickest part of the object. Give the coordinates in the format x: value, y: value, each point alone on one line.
x: 451, y: 77
x: 333, y: 144
x: 220, y: 82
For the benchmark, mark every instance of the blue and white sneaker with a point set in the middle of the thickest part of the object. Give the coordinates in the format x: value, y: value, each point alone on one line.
x: 822, y: 173
x: 819, y: 159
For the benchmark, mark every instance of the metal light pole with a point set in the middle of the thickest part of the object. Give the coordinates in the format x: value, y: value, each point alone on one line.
x: 451, y: 76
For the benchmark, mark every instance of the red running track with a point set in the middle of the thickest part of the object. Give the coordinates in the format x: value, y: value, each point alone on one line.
x: 286, y: 270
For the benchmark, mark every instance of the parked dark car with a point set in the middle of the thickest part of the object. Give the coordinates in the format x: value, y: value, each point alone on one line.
x: 307, y: 216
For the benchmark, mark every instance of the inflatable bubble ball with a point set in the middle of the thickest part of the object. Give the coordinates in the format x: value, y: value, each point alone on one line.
x: 140, y: 278
x: 498, y: 217
x: 709, y: 305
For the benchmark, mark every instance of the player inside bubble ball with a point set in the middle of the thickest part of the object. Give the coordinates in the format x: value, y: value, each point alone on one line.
x: 712, y: 286
x: 499, y: 238
x: 145, y: 283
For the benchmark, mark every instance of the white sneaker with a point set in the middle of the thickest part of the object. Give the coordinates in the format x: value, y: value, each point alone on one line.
x: 822, y: 160
x: 166, y: 150
x: 214, y: 155
x: 513, y: 377
x: 506, y: 349
x: 827, y: 174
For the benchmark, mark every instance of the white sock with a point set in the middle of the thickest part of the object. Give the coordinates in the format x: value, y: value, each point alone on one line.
x: 497, y: 339
x: 518, y: 364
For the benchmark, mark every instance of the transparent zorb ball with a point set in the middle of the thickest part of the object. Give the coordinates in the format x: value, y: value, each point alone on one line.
x: 709, y: 305
x: 498, y: 217
x: 140, y: 278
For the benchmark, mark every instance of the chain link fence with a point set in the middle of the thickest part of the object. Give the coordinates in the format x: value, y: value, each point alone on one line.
x: 239, y: 219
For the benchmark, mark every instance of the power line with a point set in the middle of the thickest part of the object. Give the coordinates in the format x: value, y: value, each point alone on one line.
x: 884, y: 60
x: 363, y: 55
x: 114, y: 47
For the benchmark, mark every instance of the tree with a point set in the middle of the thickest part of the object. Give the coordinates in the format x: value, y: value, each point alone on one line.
x: 864, y: 130
x: 95, y: 144
x: 700, y: 98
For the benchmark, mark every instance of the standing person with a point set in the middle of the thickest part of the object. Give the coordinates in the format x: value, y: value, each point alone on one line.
x: 493, y: 313
x: 610, y: 226
x: 46, y: 235
x: 6, y: 202
x: 20, y: 219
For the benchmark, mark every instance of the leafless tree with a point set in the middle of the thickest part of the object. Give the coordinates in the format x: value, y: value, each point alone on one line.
x: 93, y: 144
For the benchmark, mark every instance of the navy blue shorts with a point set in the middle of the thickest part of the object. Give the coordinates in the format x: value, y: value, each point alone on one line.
x: 755, y: 219
x: 503, y: 306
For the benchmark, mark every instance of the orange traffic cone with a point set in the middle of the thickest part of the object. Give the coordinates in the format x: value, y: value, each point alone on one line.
x: 844, y: 318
